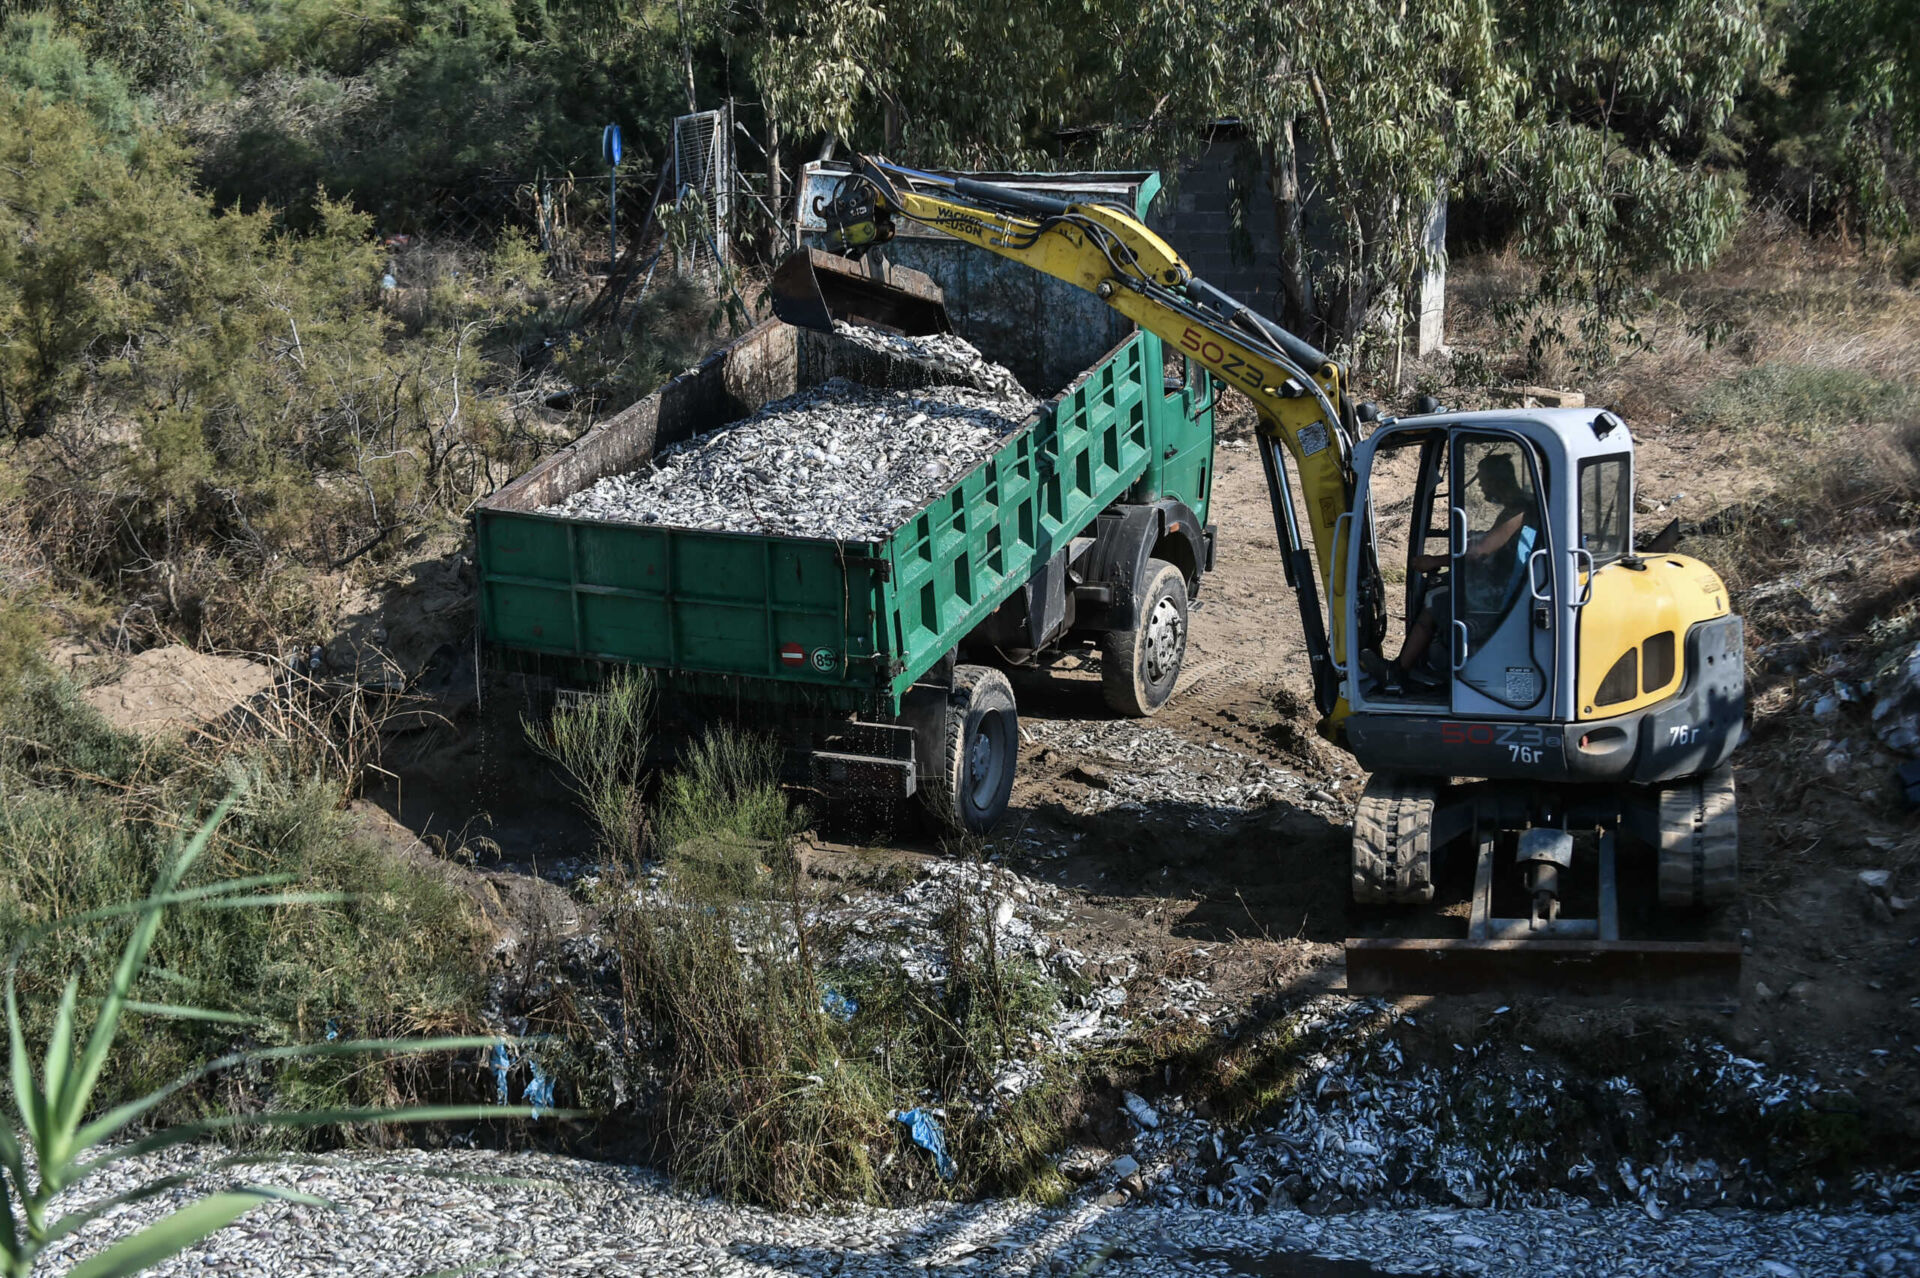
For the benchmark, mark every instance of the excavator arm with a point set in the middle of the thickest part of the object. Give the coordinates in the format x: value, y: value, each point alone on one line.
x: 1299, y: 394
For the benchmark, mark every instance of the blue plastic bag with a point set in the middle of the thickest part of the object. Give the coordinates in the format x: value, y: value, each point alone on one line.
x: 837, y: 1005
x: 539, y: 1093
x: 500, y: 1062
x: 926, y: 1133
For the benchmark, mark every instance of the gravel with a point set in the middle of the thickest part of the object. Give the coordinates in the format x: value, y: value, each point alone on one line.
x: 841, y: 461
x: 532, y: 1214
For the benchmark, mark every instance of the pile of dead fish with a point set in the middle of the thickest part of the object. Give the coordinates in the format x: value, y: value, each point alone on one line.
x: 954, y: 359
x: 1138, y: 768
x: 908, y: 931
x: 1366, y: 1128
x: 841, y: 461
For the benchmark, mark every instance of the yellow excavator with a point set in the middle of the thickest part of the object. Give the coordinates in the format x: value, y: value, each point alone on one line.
x: 1553, y: 688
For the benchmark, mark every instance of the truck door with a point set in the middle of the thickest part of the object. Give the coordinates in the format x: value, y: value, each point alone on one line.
x: 1186, y: 438
x: 1500, y: 637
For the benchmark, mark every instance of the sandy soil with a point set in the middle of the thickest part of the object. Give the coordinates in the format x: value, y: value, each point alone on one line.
x: 174, y: 688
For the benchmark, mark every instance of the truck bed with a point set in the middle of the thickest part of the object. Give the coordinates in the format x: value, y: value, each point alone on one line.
x: 840, y: 624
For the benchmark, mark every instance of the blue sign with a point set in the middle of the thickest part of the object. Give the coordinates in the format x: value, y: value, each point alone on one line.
x: 610, y: 144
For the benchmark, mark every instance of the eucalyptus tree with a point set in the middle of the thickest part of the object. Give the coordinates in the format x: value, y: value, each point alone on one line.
x: 1599, y: 126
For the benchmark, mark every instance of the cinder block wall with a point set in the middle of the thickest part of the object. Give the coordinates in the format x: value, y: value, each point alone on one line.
x: 1196, y: 218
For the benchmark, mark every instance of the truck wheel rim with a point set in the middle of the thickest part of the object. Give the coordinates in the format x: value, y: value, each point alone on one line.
x: 986, y: 762
x: 1164, y: 640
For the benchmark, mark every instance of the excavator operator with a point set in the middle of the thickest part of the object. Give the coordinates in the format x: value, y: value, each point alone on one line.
x: 1505, y: 548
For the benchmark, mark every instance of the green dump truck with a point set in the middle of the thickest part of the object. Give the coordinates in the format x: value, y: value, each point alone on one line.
x: 883, y: 661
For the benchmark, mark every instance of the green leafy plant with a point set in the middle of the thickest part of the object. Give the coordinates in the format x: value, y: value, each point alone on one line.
x: 52, y: 1140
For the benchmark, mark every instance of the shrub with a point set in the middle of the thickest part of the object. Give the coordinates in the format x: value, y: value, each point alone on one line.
x: 58, y: 1135
x: 761, y: 1102
x: 602, y: 741
x: 88, y: 813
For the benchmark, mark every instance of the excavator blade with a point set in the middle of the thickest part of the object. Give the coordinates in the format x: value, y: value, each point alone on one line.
x: 812, y: 289
x: 1672, y: 971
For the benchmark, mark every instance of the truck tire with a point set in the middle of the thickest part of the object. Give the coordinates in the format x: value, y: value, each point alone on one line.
x: 1139, y: 667
x: 1393, y: 842
x: 1699, y: 853
x: 972, y: 775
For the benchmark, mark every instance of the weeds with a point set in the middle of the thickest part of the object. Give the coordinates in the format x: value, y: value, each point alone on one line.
x: 730, y: 787
x: 86, y: 812
x: 760, y: 1102
x: 779, y: 1062
x: 1804, y: 399
x: 69, y: 1137
x: 601, y: 741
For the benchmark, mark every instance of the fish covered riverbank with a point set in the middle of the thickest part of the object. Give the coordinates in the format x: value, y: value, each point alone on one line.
x: 530, y: 1214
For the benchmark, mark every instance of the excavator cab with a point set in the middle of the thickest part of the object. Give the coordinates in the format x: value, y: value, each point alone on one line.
x: 1532, y: 631
x: 1546, y: 680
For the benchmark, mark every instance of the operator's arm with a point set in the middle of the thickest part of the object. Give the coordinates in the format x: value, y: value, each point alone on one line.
x: 1497, y: 536
x: 1480, y: 547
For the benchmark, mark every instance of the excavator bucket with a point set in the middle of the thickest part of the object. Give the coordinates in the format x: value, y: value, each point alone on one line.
x: 812, y: 288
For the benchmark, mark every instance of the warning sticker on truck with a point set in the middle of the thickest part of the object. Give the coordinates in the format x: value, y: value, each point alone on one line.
x: 792, y: 656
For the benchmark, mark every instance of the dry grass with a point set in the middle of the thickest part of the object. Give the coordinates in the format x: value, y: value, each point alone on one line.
x: 1774, y: 298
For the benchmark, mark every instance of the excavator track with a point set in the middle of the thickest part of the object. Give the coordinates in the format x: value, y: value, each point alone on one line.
x: 1393, y: 842
x: 1699, y: 852
x: 1394, y: 834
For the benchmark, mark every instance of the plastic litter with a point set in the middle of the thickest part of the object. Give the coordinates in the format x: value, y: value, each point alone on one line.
x: 500, y: 1061
x: 926, y: 1133
x: 837, y: 1005
x: 539, y: 1092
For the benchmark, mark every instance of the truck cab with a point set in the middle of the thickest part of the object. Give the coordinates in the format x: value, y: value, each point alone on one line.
x: 1537, y: 644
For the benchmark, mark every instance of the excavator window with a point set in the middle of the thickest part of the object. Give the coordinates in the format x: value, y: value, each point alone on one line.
x: 1497, y: 486
x: 1606, y: 487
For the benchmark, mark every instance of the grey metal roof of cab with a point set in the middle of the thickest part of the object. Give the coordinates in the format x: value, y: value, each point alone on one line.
x: 1572, y: 425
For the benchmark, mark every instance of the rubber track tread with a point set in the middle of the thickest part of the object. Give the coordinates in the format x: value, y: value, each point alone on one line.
x: 1699, y: 862
x: 1393, y: 842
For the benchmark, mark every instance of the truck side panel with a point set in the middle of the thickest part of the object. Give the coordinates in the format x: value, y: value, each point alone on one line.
x: 722, y: 603
x: 960, y: 558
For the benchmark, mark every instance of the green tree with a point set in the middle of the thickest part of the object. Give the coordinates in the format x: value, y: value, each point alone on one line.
x: 1592, y: 120
x: 35, y: 53
x: 1839, y: 127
